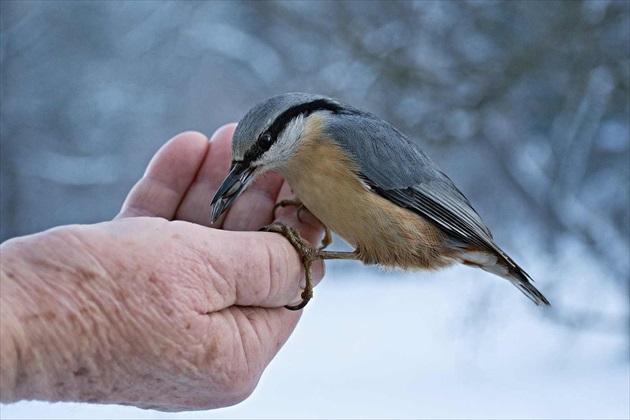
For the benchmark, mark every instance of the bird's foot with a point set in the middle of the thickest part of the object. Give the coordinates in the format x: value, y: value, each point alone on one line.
x: 308, y: 254
x: 326, y: 240
x: 286, y: 203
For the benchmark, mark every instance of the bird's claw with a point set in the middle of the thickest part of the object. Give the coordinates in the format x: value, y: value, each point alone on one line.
x: 307, y: 254
x: 285, y: 203
x: 326, y: 240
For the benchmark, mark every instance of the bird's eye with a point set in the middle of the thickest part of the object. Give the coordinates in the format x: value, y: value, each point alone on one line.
x: 265, y: 141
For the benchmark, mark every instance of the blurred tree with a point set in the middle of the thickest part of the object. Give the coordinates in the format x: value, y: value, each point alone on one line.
x: 526, y: 105
x: 541, y: 87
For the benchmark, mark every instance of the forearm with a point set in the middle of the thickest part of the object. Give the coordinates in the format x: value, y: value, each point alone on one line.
x: 50, y: 338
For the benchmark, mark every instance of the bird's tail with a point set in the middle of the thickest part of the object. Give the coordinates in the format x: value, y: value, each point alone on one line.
x: 500, y: 264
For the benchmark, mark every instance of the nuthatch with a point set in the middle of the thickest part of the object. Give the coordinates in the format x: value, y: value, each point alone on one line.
x: 368, y: 183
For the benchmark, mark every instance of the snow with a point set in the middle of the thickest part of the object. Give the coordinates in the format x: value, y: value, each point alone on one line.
x: 459, y: 343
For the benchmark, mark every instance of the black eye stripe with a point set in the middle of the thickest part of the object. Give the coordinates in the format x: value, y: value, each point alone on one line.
x: 283, y: 120
x: 307, y: 108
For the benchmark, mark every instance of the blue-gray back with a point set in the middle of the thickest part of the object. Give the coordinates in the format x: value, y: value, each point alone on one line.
x: 398, y: 170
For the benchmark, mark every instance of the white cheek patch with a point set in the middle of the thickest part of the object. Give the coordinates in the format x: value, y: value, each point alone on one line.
x: 292, y: 134
x: 282, y: 150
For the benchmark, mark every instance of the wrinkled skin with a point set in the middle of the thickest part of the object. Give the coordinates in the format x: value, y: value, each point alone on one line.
x: 154, y: 309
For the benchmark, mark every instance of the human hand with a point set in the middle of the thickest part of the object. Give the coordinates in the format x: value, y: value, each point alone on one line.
x: 154, y: 309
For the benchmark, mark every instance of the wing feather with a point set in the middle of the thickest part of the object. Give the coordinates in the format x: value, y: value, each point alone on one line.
x: 398, y: 170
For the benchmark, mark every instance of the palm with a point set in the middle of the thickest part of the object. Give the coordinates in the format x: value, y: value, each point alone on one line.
x: 179, y: 184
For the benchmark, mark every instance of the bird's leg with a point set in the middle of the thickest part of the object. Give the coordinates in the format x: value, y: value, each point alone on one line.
x: 326, y: 240
x: 308, y: 255
x: 285, y: 203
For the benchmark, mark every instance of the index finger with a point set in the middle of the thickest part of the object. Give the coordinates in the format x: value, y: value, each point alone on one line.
x: 167, y: 178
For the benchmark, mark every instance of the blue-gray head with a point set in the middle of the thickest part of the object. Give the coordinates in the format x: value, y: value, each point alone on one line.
x: 264, y: 139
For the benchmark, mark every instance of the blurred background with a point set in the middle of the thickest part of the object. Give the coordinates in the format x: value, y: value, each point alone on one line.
x: 525, y: 105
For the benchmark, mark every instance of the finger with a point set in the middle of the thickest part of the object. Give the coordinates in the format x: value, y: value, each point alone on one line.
x: 254, y: 208
x: 310, y: 228
x: 167, y: 178
x: 238, y: 268
x: 195, y: 207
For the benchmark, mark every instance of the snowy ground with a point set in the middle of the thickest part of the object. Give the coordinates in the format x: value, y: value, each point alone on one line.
x: 422, y: 345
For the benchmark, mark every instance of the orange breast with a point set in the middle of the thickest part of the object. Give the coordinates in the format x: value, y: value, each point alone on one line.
x: 323, y: 177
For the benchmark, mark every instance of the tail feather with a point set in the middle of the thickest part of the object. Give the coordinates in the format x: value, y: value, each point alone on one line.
x: 502, y: 265
x: 531, y: 292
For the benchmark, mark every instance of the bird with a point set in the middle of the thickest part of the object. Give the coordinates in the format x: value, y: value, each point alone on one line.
x: 368, y: 183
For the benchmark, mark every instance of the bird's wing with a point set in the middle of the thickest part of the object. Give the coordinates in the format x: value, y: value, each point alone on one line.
x: 398, y: 170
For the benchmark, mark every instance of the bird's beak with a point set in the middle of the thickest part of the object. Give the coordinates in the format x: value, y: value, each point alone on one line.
x: 233, y: 185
